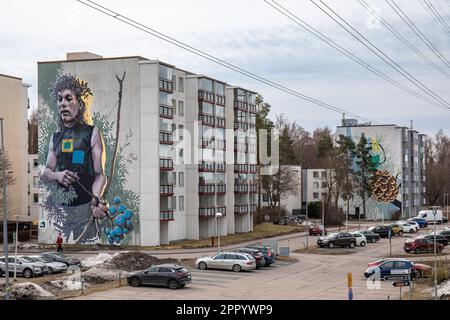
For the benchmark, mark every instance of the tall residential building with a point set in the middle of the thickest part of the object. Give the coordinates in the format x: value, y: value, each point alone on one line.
x: 33, y: 188
x: 14, y: 105
x: 400, y: 151
x: 314, y: 185
x: 177, y: 133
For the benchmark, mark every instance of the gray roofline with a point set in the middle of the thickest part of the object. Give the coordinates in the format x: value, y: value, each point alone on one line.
x: 11, y: 77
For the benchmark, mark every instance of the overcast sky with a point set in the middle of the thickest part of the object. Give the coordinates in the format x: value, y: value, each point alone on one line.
x: 253, y: 36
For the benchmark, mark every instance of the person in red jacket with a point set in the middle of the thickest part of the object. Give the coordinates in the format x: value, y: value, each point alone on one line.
x: 59, y: 242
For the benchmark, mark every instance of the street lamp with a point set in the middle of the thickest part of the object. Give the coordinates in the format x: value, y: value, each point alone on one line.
x: 5, y: 216
x: 434, y: 208
x: 15, y: 247
x: 218, y: 216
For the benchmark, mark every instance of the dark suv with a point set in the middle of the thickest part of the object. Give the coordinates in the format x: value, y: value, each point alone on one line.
x: 166, y: 275
x: 382, y: 231
x: 269, y: 256
x: 439, y: 238
x: 341, y: 239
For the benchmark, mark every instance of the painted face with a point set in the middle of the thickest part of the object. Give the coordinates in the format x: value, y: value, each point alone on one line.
x: 68, y: 105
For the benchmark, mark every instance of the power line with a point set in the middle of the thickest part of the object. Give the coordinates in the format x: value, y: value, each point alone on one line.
x: 369, y: 45
x: 402, y: 38
x: 216, y: 60
x: 417, y: 31
x: 287, y: 13
x: 435, y: 14
x: 427, y: 9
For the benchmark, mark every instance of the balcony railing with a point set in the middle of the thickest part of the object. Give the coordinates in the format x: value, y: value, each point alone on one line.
x: 221, y: 188
x: 166, y: 190
x: 165, y: 85
x: 207, y: 212
x: 165, y: 111
x: 252, y: 108
x: 165, y: 137
x: 206, y: 166
x: 222, y: 210
x: 253, y: 168
x: 207, y: 143
x: 220, y: 167
x: 207, y: 189
x: 220, y: 99
x: 220, y: 122
x: 241, y: 147
x: 219, y: 144
x: 240, y: 188
x: 206, y: 119
x: 165, y: 164
x: 253, y: 188
x: 241, y: 209
x: 239, y: 105
x: 204, y: 95
x: 253, y: 208
x: 240, y: 168
x: 166, y: 215
x: 240, y: 126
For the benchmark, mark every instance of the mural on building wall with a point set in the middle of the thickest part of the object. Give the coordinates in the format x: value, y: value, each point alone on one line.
x: 84, y: 166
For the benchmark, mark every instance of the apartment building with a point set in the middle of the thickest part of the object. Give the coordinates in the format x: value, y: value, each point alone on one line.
x: 400, y: 151
x: 314, y: 185
x: 33, y: 187
x: 14, y: 105
x: 177, y: 133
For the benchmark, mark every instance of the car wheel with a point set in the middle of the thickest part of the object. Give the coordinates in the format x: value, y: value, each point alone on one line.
x: 331, y: 245
x: 237, y: 268
x: 417, y: 251
x: 27, y: 273
x: 352, y: 245
x: 135, y: 282
x: 49, y: 270
x: 363, y: 244
x: 400, y: 233
x: 173, y: 284
x: 411, y: 231
x: 1, y: 273
x: 202, y: 265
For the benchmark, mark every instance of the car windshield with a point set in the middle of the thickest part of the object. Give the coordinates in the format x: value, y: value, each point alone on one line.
x: 29, y: 259
x: 184, y: 270
x: 331, y: 235
x: 45, y: 259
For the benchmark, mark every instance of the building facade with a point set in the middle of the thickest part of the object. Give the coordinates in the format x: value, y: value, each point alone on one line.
x: 314, y: 185
x: 14, y: 105
x: 178, y: 140
x: 33, y: 188
x: 399, y: 151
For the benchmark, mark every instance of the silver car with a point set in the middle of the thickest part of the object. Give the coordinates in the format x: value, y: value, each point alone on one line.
x: 23, y: 267
x: 52, y: 266
x: 236, y: 261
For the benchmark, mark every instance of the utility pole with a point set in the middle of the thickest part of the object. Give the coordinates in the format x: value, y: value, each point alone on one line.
x: 5, y: 217
x: 15, y: 247
x: 434, y: 208
x: 307, y: 225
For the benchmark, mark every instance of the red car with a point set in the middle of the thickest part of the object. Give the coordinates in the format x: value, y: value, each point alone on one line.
x: 316, y: 231
x: 421, y: 244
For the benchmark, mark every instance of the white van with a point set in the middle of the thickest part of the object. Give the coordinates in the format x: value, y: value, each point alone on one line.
x: 429, y: 216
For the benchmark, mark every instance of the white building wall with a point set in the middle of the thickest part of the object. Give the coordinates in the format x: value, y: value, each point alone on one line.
x: 33, y: 176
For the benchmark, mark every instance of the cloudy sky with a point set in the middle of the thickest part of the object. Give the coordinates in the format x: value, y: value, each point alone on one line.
x: 255, y: 37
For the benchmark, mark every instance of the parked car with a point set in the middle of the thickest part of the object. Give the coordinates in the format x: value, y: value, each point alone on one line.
x: 407, y: 227
x: 396, y: 229
x: 317, y: 230
x: 256, y: 254
x: 236, y: 261
x: 429, y: 216
x: 423, y: 223
x: 166, y: 275
x: 59, y: 257
x: 361, y: 240
x: 382, y: 231
x: 268, y: 253
x: 370, y: 236
x: 421, y: 244
x: 445, y: 233
x: 439, y: 238
x: 23, y: 267
x: 394, y: 266
x: 414, y: 223
x: 337, y: 239
x: 52, y: 266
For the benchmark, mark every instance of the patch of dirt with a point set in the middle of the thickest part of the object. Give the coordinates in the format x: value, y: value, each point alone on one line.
x: 334, y: 251
x: 133, y: 261
x: 29, y: 290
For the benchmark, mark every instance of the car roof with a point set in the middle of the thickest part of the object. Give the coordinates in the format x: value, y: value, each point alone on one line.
x: 169, y: 265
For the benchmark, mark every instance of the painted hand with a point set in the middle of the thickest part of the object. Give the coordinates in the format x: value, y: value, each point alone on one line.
x: 66, y: 178
x: 99, y: 207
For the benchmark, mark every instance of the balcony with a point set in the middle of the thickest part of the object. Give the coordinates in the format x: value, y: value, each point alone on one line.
x: 240, y: 147
x: 220, y: 99
x: 165, y: 137
x: 241, y: 209
x: 240, y: 188
x: 240, y: 126
x: 220, y: 167
x: 206, y: 119
x: 207, y: 189
x: 166, y: 190
x: 206, y: 166
x: 253, y: 168
x: 252, y: 108
x: 253, y: 188
x: 207, y: 143
x: 240, y: 168
x: 222, y: 210
x: 165, y: 111
x: 221, y: 189
x: 220, y: 122
x: 219, y: 144
x: 207, y: 96
x: 166, y: 215
x: 165, y: 85
x: 165, y: 164
x: 253, y: 208
x: 239, y: 105
x: 207, y: 212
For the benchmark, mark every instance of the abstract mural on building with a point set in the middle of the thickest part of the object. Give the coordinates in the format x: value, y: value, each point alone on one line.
x: 85, y: 156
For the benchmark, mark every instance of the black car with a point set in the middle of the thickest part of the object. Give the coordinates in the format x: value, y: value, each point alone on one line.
x: 269, y: 255
x: 340, y: 239
x: 439, y: 238
x: 256, y: 254
x: 382, y: 231
x: 445, y: 233
x: 58, y: 257
x: 370, y: 236
x: 165, y: 275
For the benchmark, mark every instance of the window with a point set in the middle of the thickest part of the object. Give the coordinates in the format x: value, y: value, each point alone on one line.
x: 324, y: 174
x: 180, y: 84
x: 180, y: 131
x: 174, y: 178
x: 315, y: 174
x: 181, y: 203
x: 174, y: 106
x: 180, y: 108
x: 174, y: 81
x: 35, y: 163
x: 265, y: 197
x: 315, y: 195
x: 35, y: 181
x: 324, y: 185
x: 219, y: 256
x: 36, y: 198
x: 181, y: 179
x: 315, y: 185
x: 173, y: 201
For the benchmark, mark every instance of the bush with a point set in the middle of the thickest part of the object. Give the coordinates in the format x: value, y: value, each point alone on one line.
x: 315, y: 209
